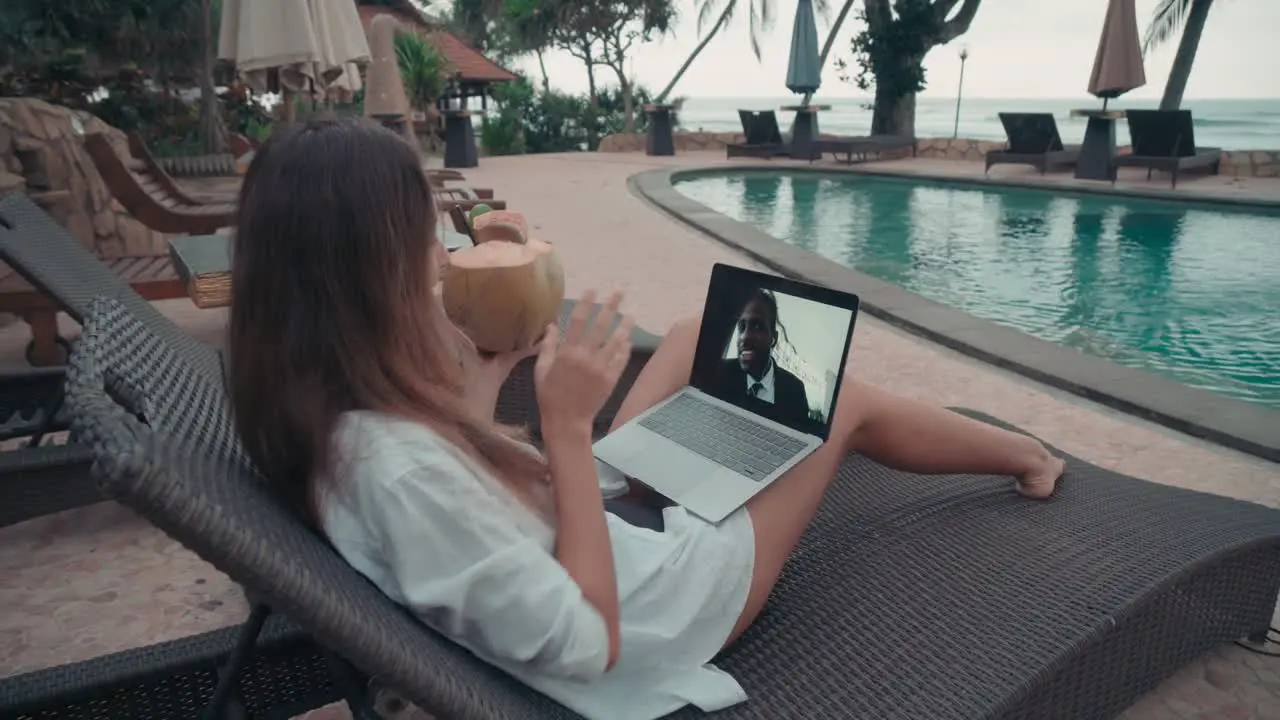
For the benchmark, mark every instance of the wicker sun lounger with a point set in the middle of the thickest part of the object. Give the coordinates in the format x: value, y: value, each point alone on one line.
x: 59, y: 267
x: 148, y: 200
x: 909, y: 597
x: 1033, y: 140
x: 1165, y: 140
x: 761, y: 136
x: 60, y: 274
x: 174, y: 680
x: 863, y: 146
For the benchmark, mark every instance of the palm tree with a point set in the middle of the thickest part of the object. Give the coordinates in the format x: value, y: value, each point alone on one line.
x: 1169, y: 15
x: 760, y: 21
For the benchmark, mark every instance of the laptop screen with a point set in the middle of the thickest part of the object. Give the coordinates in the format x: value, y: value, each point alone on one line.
x: 774, y: 346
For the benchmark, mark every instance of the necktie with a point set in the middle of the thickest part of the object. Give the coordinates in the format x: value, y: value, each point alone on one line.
x: 756, y: 387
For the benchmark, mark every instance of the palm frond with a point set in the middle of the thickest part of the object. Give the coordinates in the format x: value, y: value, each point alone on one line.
x: 761, y: 21
x: 708, y: 10
x: 1166, y: 19
x: 823, y: 9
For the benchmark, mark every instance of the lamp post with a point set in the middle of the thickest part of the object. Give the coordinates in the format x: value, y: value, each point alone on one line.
x: 964, y: 55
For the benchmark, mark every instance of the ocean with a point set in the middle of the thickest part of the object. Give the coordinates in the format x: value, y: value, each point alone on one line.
x: 1227, y: 124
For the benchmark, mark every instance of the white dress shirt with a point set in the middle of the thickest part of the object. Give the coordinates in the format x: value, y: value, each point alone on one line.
x: 766, y: 384
x: 442, y: 536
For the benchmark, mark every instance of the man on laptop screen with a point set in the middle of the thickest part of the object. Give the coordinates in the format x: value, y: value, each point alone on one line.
x: 752, y: 375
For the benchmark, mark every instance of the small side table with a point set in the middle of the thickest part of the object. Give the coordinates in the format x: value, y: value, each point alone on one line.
x: 203, y: 265
x: 661, y: 139
x: 460, y: 139
x: 1098, y: 153
x: 804, y: 136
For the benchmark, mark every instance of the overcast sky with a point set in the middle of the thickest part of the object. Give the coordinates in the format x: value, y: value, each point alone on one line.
x: 1018, y: 49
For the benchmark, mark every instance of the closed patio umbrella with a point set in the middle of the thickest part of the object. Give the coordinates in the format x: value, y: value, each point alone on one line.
x: 1117, y: 68
x: 309, y: 42
x: 804, y: 74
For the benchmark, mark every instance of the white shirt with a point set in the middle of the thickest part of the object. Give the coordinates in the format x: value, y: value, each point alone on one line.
x: 766, y: 384
x: 440, y: 535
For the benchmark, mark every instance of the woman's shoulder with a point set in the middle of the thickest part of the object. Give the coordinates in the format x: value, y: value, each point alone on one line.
x: 384, y: 464
x: 375, y: 453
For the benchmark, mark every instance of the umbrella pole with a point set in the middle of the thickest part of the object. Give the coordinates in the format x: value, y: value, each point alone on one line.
x: 290, y: 107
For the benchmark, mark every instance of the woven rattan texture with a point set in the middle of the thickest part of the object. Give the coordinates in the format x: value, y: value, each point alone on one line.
x: 909, y: 597
x: 55, y: 263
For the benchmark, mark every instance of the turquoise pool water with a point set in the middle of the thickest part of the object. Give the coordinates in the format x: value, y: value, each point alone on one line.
x: 1188, y: 291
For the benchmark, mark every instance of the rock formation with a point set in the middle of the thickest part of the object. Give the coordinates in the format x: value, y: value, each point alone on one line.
x: 42, y: 154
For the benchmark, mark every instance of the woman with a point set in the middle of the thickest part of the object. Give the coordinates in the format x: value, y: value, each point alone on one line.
x: 370, y: 411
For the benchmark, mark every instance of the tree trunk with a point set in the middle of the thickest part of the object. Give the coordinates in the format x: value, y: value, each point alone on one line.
x: 831, y: 40
x: 894, y: 115
x: 628, y: 101
x: 591, y: 85
x: 1192, y: 29
x: 210, y: 124
x: 542, y: 65
x: 593, y: 101
x: 724, y: 16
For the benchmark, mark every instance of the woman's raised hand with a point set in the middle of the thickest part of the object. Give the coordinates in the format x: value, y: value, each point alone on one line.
x: 575, y: 374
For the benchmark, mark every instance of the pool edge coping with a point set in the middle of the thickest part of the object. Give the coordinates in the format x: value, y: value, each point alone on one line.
x: 1235, y: 424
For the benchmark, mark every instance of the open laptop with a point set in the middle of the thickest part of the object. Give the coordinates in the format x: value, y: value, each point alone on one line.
x: 766, y: 377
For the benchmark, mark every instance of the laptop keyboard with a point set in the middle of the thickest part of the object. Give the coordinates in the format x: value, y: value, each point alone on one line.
x: 725, y: 438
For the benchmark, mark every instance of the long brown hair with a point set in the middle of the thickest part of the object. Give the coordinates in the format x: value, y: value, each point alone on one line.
x: 333, y: 308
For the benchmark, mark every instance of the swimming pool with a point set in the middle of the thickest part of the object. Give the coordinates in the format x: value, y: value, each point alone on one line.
x: 1189, y: 291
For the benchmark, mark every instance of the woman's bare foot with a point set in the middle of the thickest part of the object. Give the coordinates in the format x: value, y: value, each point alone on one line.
x: 1039, y: 483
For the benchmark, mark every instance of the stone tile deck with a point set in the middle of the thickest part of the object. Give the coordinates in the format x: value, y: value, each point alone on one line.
x: 99, y: 579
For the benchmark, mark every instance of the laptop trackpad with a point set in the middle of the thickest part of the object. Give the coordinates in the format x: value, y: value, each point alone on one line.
x: 718, y: 493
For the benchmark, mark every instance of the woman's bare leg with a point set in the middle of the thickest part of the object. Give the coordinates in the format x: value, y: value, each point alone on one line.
x: 892, y: 430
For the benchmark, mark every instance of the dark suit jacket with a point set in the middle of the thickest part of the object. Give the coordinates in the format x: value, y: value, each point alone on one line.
x: 790, y: 405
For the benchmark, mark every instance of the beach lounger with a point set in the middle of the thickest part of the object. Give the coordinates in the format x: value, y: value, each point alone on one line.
x: 150, y: 170
x: 465, y: 198
x: 171, y: 680
x: 1165, y: 140
x: 1033, y: 140
x: 151, y: 201
x: 67, y: 275
x: 862, y: 146
x: 761, y: 136
x: 908, y: 597
x: 59, y: 275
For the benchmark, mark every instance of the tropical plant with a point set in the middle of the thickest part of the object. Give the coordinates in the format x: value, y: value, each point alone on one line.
x: 424, y: 69
x: 760, y: 18
x: 1168, y: 17
x: 890, y: 49
x: 759, y: 21
x: 599, y: 33
x: 65, y: 51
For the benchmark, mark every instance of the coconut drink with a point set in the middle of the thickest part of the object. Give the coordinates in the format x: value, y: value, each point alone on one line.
x: 504, y: 291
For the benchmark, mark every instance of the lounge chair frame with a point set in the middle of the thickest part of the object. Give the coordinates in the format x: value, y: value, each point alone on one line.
x: 762, y: 137
x: 147, y: 198
x: 1069, y: 608
x: 1019, y: 149
x: 283, y: 672
x: 150, y: 171
x: 1175, y: 157
x: 863, y: 146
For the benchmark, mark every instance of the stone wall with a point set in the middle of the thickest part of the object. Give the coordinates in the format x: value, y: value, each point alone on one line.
x: 684, y: 141
x: 1251, y: 163
x: 42, y: 153
x: 1235, y: 163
